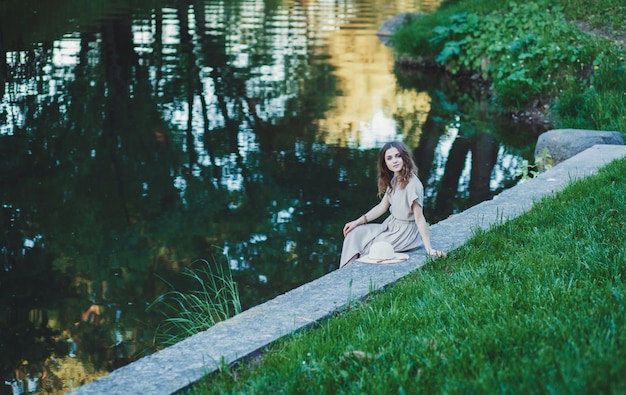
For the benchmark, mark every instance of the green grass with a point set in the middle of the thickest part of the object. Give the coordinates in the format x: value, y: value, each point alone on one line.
x: 534, y: 305
x: 536, y: 55
x: 606, y: 14
x: 210, y: 296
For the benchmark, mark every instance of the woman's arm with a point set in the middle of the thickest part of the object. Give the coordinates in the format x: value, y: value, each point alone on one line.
x: 375, y: 212
x: 422, y: 227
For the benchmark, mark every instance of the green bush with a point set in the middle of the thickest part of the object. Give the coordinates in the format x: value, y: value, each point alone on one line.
x: 533, y: 54
x: 515, y: 48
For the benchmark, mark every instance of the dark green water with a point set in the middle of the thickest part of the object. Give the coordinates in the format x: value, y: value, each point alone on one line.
x: 137, y: 138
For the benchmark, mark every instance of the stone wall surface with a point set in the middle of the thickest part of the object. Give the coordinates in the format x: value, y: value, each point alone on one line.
x: 250, y: 332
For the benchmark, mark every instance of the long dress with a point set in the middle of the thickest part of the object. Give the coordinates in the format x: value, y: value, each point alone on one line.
x: 399, y: 228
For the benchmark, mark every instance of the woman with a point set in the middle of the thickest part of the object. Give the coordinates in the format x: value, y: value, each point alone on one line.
x: 403, y: 195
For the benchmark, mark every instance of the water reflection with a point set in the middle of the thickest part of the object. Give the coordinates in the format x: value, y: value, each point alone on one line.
x: 135, y: 141
x: 467, y: 152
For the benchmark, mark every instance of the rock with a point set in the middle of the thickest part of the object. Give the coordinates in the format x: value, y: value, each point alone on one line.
x: 389, y: 27
x: 555, y: 146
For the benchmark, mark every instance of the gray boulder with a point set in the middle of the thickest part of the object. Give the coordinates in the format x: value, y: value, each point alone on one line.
x: 389, y: 27
x: 555, y: 146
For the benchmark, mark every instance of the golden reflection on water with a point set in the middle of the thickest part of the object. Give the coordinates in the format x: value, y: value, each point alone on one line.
x: 363, y: 114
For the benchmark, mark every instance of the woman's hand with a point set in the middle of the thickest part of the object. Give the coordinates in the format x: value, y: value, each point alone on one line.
x: 350, y: 225
x: 436, y: 253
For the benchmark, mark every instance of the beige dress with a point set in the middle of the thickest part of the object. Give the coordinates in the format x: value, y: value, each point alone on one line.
x: 398, y: 228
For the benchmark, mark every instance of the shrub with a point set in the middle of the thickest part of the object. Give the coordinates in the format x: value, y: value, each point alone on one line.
x: 523, y: 50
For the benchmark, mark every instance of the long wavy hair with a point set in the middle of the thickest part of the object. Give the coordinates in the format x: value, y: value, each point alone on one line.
x: 385, y: 175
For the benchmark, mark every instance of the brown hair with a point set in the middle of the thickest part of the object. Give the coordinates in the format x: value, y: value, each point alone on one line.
x: 385, y: 175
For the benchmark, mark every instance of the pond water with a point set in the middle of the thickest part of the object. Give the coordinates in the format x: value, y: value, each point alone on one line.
x: 137, y: 140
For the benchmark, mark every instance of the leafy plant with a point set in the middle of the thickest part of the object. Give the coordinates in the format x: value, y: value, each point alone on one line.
x: 563, y: 58
x: 515, y: 49
x: 543, y: 162
x: 187, y: 312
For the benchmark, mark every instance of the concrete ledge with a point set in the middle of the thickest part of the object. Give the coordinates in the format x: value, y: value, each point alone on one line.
x: 182, y: 364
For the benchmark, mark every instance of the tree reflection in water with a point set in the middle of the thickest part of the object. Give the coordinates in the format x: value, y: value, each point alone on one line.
x: 149, y: 138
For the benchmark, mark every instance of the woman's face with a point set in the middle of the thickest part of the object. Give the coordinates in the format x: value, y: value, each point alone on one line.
x: 393, y: 160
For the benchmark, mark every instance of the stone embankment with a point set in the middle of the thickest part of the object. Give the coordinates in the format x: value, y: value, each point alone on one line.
x: 250, y: 332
